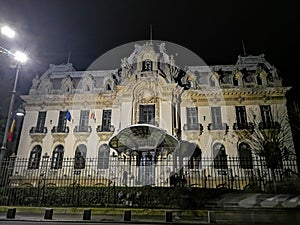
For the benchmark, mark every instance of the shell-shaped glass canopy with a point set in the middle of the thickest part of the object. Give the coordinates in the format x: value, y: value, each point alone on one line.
x: 142, y: 137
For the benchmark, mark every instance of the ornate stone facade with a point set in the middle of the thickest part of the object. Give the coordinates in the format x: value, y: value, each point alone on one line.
x: 205, y: 105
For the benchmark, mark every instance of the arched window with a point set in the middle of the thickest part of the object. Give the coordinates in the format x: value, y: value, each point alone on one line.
x: 195, y: 160
x: 270, y: 78
x: 108, y: 87
x: 35, y: 157
x: 235, y: 81
x: 212, y: 82
x: 245, y: 156
x: 57, y: 157
x: 259, y: 80
x: 147, y: 65
x: 80, y: 156
x: 220, y: 157
x: 103, y: 157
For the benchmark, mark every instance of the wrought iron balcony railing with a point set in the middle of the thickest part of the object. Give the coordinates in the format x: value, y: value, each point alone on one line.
x: 193, y: 127
x: 109, y: 128
x: 271, y: 125
x: 87, y: 129
x: 38, y: 130
x: 214, y: 126
x: 57, y: 129
x: 243, y: 126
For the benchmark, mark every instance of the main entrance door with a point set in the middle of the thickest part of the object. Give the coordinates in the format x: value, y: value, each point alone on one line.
x: 146, y: 169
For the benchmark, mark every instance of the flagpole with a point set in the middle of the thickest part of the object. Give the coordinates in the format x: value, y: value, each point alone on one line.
x: 12, y: 101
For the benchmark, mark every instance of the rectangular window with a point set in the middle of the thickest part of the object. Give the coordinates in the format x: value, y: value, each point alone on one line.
x: 147, y: 114
x: 216, y: 118
x: 41, y: 122
x: 84, y: 121
x: 147, y: 65
x: 266, y: 115
x: 241, y: 117
x: 192, y: 118
x: 62, y: 121
x: 106, y: 120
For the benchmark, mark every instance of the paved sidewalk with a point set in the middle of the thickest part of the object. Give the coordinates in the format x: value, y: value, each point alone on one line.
x: 104, y: 215
x: 244, y: 208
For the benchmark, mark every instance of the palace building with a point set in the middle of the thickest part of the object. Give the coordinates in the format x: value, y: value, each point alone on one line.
x: 132, y: 124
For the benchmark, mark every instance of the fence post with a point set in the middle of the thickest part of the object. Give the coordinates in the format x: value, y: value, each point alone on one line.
x: 87, y: 214
x: 127, y: 215
x: 11, y: 213
x: 168, y: 216
x: 48, y: 214
x: 211, y: 217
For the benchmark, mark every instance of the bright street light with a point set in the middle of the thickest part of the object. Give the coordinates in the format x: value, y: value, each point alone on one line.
x: 20, y: 57
x: 8, y: 32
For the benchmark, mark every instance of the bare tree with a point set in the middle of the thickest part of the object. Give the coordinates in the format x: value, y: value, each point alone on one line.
x: 271, y: 139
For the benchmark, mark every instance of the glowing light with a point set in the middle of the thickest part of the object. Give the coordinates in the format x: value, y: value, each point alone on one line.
x: 20, y: 57
x: 7, y: 31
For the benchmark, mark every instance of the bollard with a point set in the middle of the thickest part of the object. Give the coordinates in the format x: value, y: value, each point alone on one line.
x: 48, y: 214
x: 211, y: 217
x: 11, y: 213
x: 87, y: 214
x: 127, y: 215
x: 169, y: 216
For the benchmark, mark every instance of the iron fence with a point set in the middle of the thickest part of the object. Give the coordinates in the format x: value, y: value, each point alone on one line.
x: 92, y: 182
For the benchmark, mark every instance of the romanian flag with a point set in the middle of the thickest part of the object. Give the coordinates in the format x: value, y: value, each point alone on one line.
x: 11, y: 130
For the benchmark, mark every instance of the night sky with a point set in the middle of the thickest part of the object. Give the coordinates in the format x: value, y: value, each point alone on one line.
x: 214, y: 30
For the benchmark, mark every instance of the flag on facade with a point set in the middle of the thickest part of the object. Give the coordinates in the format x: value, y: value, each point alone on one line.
x: 11, y: 130
x: 68, y: 115
x: 92, y: 116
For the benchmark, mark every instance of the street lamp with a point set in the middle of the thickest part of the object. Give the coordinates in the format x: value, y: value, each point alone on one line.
x: 20, y: 58
x: 8, y: 32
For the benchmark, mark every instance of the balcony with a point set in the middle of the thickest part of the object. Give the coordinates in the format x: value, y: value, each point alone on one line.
x: 214, y: 126
x: 109, y: 128
x: 269, y: 126
x: 38, y: 130
x: 105, y: 132
x: 83, y: 129
x: 59, y: 133
x: 243, y: 126
x: 37, y: 134
x: 193, y: 127
x: 57, y: 129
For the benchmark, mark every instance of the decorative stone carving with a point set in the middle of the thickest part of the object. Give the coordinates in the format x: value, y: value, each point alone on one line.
x: 88, y: 83
x: 59, y: 137
x: 35, y: 82
x: 46, y: 85
x: 82, y: 136
x: 192, y: 134
x: 37, y: 137
x: 104, y: 136
x: 67, y: 84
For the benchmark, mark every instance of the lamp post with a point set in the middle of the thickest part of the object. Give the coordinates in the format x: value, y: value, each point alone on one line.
x: 20, y: 58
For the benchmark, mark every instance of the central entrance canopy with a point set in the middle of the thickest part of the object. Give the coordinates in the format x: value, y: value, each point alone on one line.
x: 142, y: 137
